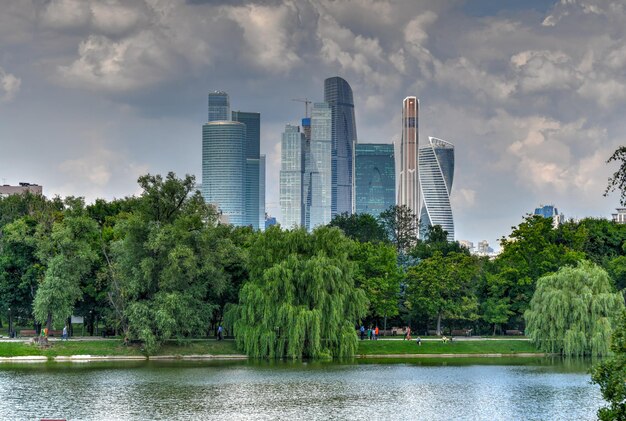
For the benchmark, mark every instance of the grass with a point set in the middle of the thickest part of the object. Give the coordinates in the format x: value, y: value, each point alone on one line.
x: 381, y: 347
x: 115, y: 347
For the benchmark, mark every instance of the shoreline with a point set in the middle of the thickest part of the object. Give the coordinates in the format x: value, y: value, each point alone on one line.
x: 241, y: 357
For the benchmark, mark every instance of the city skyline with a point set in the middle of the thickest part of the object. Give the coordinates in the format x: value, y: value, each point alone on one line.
x: 531, y: 94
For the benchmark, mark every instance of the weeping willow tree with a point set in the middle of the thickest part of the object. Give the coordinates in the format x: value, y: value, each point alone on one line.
x: 573, y: 311
x: 301, y: 300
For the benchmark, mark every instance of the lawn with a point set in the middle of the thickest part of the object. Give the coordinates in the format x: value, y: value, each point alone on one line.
x: 115, y: 347
x: 382, y: 347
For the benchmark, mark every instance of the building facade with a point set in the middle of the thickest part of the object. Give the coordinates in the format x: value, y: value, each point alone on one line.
x: 375, y: 178
x: 619, y: 216
x: 224, y: 167
x: 219, y: 106
x: 253, y: 168
x: 7, y: 190
x: 318, y: 171
x: 291, y: 177
x: 550, y: 211
x: 408, y: 176
x: 338, y: 95
x: 436, y: 174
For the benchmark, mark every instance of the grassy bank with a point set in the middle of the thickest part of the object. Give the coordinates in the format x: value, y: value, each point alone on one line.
x: 114, y: 347
x: 437, y: 347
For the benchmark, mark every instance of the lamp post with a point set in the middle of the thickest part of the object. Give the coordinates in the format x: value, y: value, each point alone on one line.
x: 10, y: 323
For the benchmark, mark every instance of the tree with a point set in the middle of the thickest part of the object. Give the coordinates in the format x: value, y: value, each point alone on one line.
x: 361, y: 227
x: 443, y: 287
x: 573, y: 311
x: 496, y: 311
x: 400, y: 224
x: 618, y: 180
x: 610, y: 373
x: 301, y: 300
x: 436, y: 241
x: 378, y: 274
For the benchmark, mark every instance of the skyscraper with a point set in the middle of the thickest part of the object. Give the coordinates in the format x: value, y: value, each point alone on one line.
x: 262, y: 193
x: 318, y: 172
x: 408, y: 183
x: 436, y: 174
x: 338, y: 95
x: 223, y: 168
x: 291, y: 175
x: 252, y: 156
x: 375, y: 180
x: 219, y: 106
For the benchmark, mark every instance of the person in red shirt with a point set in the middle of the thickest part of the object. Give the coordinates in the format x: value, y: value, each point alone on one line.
x: 376, y: 332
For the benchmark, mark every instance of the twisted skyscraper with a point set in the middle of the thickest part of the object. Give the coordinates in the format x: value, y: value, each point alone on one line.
x: 436, y: 173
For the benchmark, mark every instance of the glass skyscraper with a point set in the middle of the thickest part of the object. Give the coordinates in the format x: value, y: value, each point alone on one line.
x: 219, y: 106
x: 436, y: 174
x: 253, y: 170
x: 408, y: 182
x: 375, y: 180
x: 262, y: 193
x: 292, y: 160
x: 338, y: 95
x: 223, y: 168
x: 318, y: 172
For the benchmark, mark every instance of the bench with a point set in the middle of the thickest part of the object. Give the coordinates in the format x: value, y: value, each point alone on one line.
x: 26, y: 332
x: 513, y: 332
x: 57, y: 333
x: 398, y: 331
x: 461, y: 332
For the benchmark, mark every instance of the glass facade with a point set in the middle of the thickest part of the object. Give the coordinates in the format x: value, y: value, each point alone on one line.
x: 338, y: 95
x: 318, y: 173
x: 408, y: 176
x: 223, y: 168
x: 291, y: 177
x: 375, y: 179
x: 262, y: 193
x: 252, y: 176
x: 219, y: 106
x: 436, y: 174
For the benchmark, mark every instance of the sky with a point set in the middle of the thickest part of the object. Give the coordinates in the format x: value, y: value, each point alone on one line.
x: 94, y: 93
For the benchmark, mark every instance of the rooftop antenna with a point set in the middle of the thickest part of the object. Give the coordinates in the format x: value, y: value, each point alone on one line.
x: 306, y: 105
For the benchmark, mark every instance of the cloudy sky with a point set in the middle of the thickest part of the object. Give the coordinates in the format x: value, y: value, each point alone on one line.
x: 94, y: 93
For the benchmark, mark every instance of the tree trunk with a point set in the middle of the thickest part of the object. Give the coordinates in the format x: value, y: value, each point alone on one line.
x: 385, y: 325
x: 439, y: 324
x: 49, y: 322
x: 494, y: 329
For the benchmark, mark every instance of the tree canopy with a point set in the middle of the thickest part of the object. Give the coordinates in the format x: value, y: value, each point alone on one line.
x: 573, y: 311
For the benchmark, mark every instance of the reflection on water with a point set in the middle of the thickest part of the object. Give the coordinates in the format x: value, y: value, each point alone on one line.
x: 529, y: 389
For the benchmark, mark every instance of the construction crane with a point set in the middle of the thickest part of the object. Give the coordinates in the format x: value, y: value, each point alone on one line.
x: 306, y: 105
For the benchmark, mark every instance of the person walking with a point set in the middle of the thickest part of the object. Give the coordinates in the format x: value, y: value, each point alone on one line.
x: 64, y: 336
x: 408, y: 333
x: 220, y: 333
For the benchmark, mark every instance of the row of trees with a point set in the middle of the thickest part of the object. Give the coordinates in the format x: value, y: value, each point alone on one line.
x: 160, y: 266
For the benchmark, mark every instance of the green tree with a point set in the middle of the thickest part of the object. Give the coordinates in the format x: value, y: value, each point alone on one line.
x: 436, y: 240
x: 573, y: 310
x: 610, y: 373
x: 301, y: 300
x: 618, y: 180
x: 361, y: 227
x: 379, y: 275
x: 496, y: 311
x: 443, y: 287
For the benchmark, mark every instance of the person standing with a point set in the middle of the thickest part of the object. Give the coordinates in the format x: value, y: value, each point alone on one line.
x: 64, y: 336
x: 362, y: 332
x: 408, y: 333
x: 369, y: 333
x: 220, y: 332
x: 376, y: 333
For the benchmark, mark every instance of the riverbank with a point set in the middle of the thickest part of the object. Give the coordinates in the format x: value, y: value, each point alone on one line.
x: 115, y: 350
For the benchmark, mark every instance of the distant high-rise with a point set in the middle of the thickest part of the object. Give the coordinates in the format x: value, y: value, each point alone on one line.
x: 224, y: 168
x: 7, y: 190
x: 291, y: 177
x: 550, y: 211
x: 375, y: 180
x: 253, y: 170
x: 318, y: 171
x: 219, y: 106
x: 436, y: 174
x: 262, y: 193
x: 338, y: 94
x: 408, y: 182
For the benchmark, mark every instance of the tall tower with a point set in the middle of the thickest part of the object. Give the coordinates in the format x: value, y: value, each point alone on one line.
x: 223, y: 168
x: 252, y: 165
x: 219, y: 106
x: 318, y: 173
x: 338, y: 94
x: 408, y: 182
x: 291, y: 175
x: 436, y: 174
x: 375, y: 181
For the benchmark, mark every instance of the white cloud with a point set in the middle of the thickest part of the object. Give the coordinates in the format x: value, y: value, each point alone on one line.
x: 9, y: 86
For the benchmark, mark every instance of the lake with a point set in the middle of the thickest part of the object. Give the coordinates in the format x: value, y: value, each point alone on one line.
x: 495, y: 389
